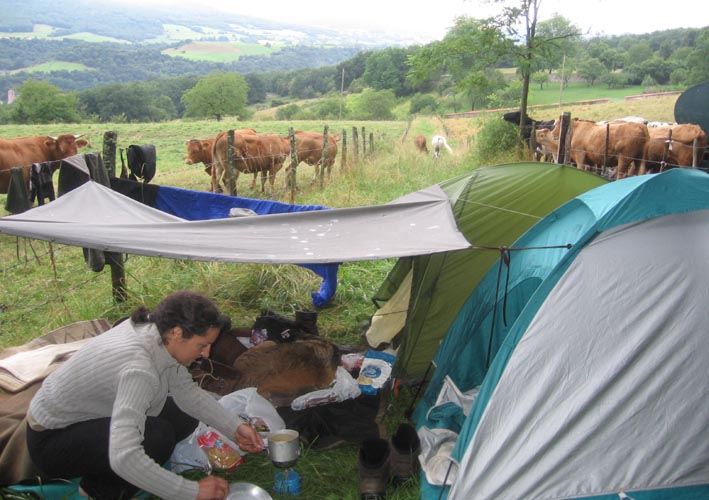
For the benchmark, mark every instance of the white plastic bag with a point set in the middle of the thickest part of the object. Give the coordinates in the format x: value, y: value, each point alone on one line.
x: 246, y: 404
x: 251, y: 406
x: 344, y: 387
x: 188, y: 454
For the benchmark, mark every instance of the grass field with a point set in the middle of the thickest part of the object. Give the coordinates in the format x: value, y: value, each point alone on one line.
x: 219, y: 51
x: 44, y: 287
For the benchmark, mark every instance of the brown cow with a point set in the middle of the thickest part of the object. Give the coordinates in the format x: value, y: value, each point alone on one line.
x: 678, y: 152
x: 25, y: 151
x: 626, y: 144
x: 252, y: 154
x: 201, y: 151
x: 309, y: 147
x: 420, y: 142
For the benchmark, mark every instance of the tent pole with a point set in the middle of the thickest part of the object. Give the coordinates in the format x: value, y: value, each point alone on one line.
x: 409, y: 411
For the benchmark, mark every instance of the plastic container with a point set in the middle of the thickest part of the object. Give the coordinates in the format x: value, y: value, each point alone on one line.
x: 288, y: 482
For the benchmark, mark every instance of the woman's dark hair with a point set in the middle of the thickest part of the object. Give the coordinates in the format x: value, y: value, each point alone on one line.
x: 193, y: 312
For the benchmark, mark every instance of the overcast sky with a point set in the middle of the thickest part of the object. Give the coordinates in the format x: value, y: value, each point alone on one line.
x: 431, y: 20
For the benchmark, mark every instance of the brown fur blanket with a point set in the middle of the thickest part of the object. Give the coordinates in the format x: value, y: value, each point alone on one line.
x: 280, y: 371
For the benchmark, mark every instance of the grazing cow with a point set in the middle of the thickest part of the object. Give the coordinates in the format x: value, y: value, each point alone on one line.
x: 526, y: 132
x: 309, y: 147
x: 253, y: 153
x: 420, y: 142
x: 438, y: 142
x: 25, y: 151
x: 626, y: 144
x: 201, y: 150
x: 677, y: 152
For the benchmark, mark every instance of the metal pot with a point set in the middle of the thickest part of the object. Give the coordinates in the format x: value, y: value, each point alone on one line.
x: 247, y: 491
x: 284, y: 448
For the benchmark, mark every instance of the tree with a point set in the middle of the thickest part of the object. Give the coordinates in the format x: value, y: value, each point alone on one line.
x: 519, y: 19
x: 658, y: 69
x: 697, y: 60
x: 42, y: 102
x: 466, y: 55
x: 540, y: 77
x: 386, y: 69
x: 135, y: 102
x: 424, y: 103
x: 562, y: 40
x: 217, y: 95
x: 372, y: 105
x: 257, y: 87
x: 591, y: 69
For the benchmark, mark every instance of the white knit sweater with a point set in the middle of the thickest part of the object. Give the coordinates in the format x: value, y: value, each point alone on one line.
x: 126, y: 373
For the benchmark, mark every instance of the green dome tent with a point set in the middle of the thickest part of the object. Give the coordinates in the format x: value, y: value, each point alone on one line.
x: 493, y: 206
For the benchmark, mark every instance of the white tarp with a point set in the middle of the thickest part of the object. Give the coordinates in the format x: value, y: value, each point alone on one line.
x: 93, y: 216
x: 610, y: 372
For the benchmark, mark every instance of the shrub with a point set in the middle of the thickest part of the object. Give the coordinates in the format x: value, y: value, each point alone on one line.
x: 424, y: 104
x: 287, y: 112
x: 496, y: 138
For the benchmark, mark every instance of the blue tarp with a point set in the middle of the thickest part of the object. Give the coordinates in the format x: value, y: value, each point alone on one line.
x: 202, y: 205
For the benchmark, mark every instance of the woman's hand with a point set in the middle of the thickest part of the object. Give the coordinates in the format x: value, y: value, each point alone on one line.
x: 248, y: 438
x: 212, y: 488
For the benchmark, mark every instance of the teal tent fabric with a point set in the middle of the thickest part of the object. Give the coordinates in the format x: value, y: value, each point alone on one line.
x: 497, y: 323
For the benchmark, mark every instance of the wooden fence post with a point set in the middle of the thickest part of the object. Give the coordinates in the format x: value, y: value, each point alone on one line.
x: 533, y: 140
x: 364, y: 144
x: 118, y: 275
x: 343, y: 158
x: 291, y: 170
x: 371, y: 144
x: 110, y: 142
x: 665, y: 151
x: 114, y: 259
x: 564, y: 128
x: 230, y: 166
x: 355, y: 145
x: 323, y: 157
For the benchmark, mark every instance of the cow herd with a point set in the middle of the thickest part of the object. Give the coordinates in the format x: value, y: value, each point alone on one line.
x: 617, y: 148
x: 256, y: 154
x: 625, y: 146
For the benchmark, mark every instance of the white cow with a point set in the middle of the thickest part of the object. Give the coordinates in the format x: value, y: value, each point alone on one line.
x: 439, y: 142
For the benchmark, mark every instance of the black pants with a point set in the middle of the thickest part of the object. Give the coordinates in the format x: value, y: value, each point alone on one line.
x: 81, y: 450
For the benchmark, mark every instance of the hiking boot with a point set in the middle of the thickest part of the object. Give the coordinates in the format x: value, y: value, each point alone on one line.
x: 373, y: 468
x: 405, y: 449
